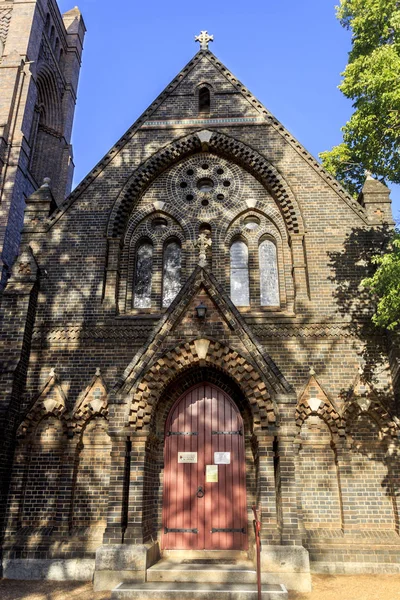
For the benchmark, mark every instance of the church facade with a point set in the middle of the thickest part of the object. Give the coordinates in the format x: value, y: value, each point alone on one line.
x: 185, y: 338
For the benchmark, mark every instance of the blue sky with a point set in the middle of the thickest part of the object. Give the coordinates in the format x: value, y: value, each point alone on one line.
x: 289, y: 54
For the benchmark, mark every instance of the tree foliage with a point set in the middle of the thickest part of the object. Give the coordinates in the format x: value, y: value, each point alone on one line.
x: 385, y: 286
x: 371, y: 138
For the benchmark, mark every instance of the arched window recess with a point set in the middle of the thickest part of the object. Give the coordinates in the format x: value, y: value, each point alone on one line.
x: 143, y: 275
x: 269, y: 277
x: 204, y: 99
x: 239, y: 260
x: 172, y: 266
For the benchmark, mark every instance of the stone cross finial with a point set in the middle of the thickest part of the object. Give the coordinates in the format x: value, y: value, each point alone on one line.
x: 202, y: 244
x: 204, y: 39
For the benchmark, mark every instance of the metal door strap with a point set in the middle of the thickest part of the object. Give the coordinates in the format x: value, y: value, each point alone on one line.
x: 168, y: 530
x: 242, y: 530
x: 227, y: 432
x: 183, y: 433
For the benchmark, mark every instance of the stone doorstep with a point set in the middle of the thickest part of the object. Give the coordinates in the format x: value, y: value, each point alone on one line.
x: 170, y: 571
x: 196, y: 591
x: 180, y: 555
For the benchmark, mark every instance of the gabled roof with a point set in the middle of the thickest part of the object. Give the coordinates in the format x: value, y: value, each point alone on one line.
x: 201, y: 279
x: 252, y: 100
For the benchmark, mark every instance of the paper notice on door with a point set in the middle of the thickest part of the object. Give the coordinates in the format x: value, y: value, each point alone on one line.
x: 187, y: 457
x: 211, y: 473
x: 222, y: 458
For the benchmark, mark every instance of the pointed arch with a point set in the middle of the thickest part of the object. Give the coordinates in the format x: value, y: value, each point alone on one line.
x: 147, y: 390
x: 51, y: 401
x: 315, y: 401
x: 220, y: 144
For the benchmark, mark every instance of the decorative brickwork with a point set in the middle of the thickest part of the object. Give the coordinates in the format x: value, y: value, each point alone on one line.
x: 184, y: 357
x: 222, y: 144
x: 5, y: 18
x: 120, y: 301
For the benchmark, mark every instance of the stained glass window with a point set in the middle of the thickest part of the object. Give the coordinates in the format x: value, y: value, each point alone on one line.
x: 143, y: 276
x: 269, y: 284
x: 240, y: 274
x: 171, y: 272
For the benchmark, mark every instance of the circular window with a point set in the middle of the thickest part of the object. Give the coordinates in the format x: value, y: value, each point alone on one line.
x: 159, y: 223
x: 220, y: 171
x: 204, y: 202
x: 205, y: 184
x: 190, y: 172
x: 205, y: 166
x: 220, y: 197
x: 227, y: 183
x: 251, y: 222
x: 189, y: 197
x: 183, y: 184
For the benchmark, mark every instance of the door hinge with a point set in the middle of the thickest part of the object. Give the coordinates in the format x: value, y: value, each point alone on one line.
x: 217, y: 530
x: 168, y: 530
x: 227, y: 432
x: 182, y: 433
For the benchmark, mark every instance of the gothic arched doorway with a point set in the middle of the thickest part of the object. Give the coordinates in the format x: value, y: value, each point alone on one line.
x: 204, y: 500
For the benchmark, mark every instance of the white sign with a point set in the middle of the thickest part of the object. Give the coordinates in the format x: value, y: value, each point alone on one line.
x: 187, y: 457
x: 211, y: 473
x: 222, y: 458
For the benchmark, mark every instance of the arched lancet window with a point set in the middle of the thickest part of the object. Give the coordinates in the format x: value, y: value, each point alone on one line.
x: 143, y: 276
x: 240, y: 294
x: 204, y: 100
x: 269, y: 283
x: 57, y: 47
x: 171, y: 272
x: 47, y: 24
x: 52, y: 34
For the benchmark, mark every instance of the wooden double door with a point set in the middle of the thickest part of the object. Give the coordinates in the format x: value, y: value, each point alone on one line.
x: 204, y: 501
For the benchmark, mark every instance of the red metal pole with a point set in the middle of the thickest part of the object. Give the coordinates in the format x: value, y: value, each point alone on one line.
x: 257, y: 527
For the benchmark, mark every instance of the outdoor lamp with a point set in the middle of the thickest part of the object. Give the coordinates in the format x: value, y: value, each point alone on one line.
x: 201, y: 310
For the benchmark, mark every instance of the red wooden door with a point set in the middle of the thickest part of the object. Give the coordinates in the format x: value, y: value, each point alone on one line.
x: 204, y: 502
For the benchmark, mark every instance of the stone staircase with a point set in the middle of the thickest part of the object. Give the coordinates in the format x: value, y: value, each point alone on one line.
x: 211, y: 575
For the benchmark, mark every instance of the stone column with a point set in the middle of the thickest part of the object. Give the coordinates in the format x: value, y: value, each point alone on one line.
x: 115, y: 512
x: 348, y: 495
x: 65, y: 496
x: 288, y: 561
x: 124, y: 556
x: 290, y: 533
x: 136, y: 508
x: 22, y: 456
x: 266, y: 488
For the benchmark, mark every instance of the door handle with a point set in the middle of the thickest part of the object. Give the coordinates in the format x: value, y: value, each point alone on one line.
x: 200, y: 492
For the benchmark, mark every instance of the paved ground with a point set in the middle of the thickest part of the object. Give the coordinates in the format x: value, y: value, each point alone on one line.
x: 325, y: 587
x: 352, y: 587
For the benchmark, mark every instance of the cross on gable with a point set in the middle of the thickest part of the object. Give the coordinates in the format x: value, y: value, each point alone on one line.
x: 204, y: 39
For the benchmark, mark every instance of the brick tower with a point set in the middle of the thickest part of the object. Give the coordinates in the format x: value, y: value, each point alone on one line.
x: 40, y: 58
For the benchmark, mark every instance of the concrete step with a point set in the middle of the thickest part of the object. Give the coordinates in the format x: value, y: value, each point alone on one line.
x: 196, y: 591
x: 179, y: 555
x: 196, y: 572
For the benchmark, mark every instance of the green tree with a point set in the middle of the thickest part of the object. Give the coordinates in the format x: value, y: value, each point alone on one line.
x: 385, y: 286
x: 371, y: 80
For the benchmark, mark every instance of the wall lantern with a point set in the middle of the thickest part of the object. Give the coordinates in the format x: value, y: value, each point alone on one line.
x: 201, y: 310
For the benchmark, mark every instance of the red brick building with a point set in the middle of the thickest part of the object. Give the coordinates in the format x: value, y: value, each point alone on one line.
x: 184, y: 337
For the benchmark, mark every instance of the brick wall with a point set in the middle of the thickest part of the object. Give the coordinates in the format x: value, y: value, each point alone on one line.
x: 338, y: 486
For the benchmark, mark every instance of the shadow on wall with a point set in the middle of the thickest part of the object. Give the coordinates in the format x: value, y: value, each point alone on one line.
x: 350, y: 266
x: 371, y: 409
